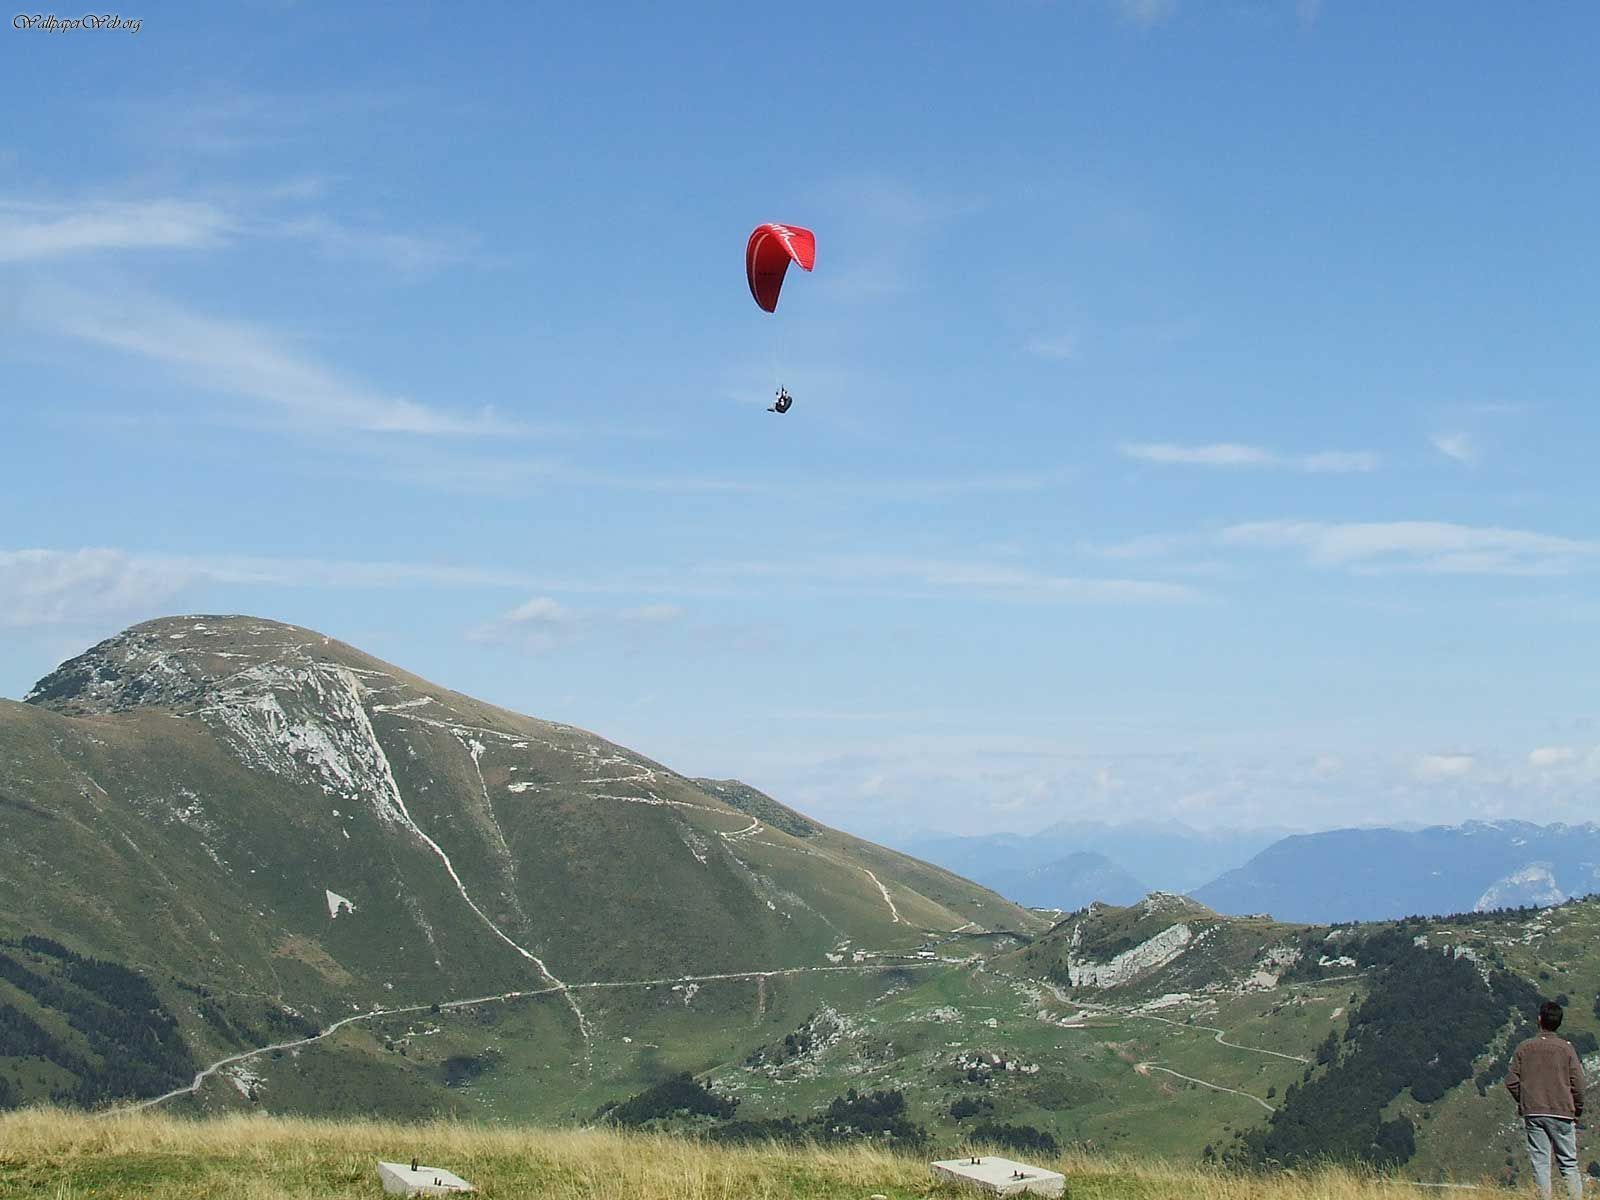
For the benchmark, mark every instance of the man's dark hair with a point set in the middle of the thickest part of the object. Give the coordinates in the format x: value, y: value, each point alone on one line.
x: 1550, y: 1015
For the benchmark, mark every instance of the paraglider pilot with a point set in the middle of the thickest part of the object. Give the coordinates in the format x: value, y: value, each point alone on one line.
x: 782, y: 403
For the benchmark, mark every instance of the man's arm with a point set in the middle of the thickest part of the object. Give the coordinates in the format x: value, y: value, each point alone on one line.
x: 1514, y: 1077
x: 1575, y: 1081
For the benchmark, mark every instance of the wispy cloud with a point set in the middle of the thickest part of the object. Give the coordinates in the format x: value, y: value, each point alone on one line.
x: 541, y: 623
x: 31, y: 231
x: 232, y: 120
x: 544, y: 623
x: 44, y: 586
x: 1438, y: 546
x: 1458, y: 446
x: 48, y: 587
x: 1147, y: 13
x: 652, y: 614
x: 245, y: 361
x: 1233, y: 454
x: 940, y: 574
x: 488, y: 474
x: 1545, y: 757
x: 1062, y: 347
x: 1437, y: 768
x: 405, y: 252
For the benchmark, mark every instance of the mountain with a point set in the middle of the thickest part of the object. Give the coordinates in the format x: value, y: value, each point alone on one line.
x: 1171, y: 857
x: 1394, y: 1037
x: 1066, y: 883
x: 1382, y: 874
x: 250, y: 868
x: 1244, y: 1039
x: 254, y: 831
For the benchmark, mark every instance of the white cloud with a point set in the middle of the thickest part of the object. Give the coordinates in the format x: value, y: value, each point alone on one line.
x: 1232, y: 454
x: 1552, y: 756
x: 1457, y: 446
x: 1438, y: 546
x: 544, y: 623
x: 1434, y: 768
x: 36, y: 231
x: 46, y: 587
x: 242, y: 360
x: 538, y: 624
x: 541, y: 610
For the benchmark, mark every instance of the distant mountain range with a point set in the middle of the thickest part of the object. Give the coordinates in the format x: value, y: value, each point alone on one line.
x: 1337, y: 875
x: 1072, y: 863
x: 1383, y: 874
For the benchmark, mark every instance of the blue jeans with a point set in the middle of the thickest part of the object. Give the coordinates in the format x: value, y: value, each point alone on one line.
x: 1552, y: 1137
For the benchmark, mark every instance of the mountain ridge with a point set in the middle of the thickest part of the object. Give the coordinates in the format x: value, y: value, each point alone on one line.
x: 236, y: 805
x: 1384, y: 873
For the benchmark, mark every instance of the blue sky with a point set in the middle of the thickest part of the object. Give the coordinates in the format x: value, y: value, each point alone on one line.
x: 1195, y: 404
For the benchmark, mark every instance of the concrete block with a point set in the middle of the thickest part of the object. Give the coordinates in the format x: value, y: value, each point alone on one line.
x: 999, y: 1176
x: 399, y: 1179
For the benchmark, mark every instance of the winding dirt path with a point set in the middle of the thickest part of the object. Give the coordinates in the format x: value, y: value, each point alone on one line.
x: 500, y: 998
x: 1220, y: 1039
x: 1145, y: 1068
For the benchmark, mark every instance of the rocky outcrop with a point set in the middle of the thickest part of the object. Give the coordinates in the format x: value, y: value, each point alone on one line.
x: 1535, y: 884
x: 1147, y: 956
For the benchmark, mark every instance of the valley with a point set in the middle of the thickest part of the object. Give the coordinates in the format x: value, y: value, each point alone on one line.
x: 293, y: 879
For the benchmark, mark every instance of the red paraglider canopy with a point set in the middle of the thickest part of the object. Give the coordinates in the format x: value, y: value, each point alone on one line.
x: 768, y: 255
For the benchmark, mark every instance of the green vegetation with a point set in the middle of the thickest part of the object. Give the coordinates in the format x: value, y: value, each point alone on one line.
x: 119, y: 1040
x: 1024, y: 1139
x: 759, y: 805
x: 1429, y: 1016
x: 681, y: 1095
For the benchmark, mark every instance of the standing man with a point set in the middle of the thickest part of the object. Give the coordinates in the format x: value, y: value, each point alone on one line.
x: 1546, y: 1081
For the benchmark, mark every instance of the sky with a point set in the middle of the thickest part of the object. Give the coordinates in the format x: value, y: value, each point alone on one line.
x: 1195, y: 404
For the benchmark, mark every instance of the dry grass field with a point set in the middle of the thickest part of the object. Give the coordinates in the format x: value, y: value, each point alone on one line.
x: 68, y: 1156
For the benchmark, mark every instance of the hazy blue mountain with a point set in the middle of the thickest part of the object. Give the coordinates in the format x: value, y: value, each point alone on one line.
x: 1169, y: 857
x: 1067, y: 883
x: 1379, y: 874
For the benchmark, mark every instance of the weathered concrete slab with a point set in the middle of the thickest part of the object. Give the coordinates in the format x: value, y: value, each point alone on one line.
x: 399, y: 1179
x: 999, y: 1176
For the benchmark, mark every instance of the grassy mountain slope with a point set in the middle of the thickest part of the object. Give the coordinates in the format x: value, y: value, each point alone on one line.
x: 1256, y: 1038
x: 267, y: 822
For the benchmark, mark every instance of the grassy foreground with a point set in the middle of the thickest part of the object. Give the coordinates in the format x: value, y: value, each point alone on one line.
x: 65, y: 1156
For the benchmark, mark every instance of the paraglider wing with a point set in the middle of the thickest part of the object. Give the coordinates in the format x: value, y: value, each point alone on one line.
x: 770, y: 251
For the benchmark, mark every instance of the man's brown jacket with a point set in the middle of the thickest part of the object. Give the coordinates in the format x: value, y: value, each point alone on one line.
x: 1546, y: 1078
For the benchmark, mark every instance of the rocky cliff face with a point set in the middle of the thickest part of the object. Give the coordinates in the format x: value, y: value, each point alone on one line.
x: 1126, y: 967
